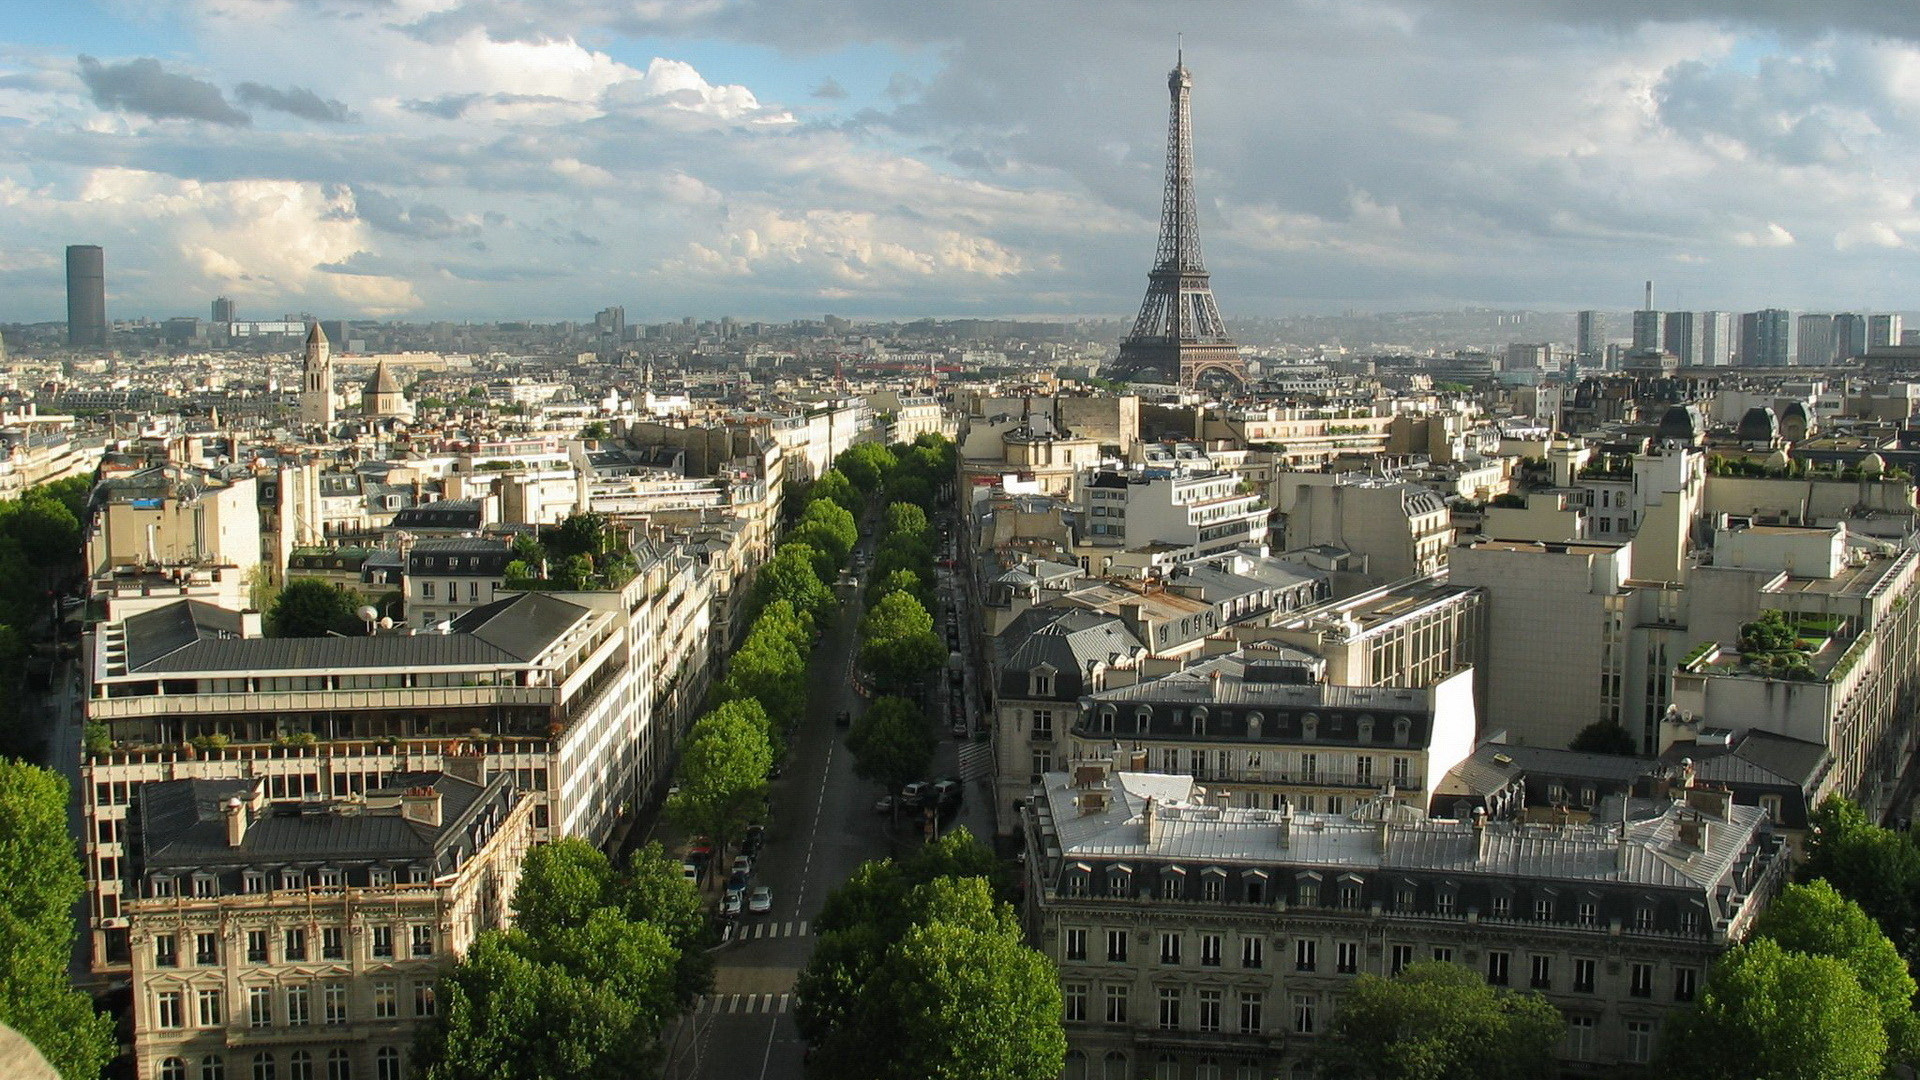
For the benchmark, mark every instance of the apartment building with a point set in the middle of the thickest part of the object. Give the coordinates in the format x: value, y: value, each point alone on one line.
x: 1175, y: 515
x: 305, y: 937
x: 1203, y: 940
x: 1264, y: 729
x: 174, y: 514
x: 447, y: 578
x: 1400, y: 529
x: 581, y: 696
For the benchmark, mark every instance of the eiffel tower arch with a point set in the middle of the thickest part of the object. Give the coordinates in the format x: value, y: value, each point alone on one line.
x: 1179, y: 334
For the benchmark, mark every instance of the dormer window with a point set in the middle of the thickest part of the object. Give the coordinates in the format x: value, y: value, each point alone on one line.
x: 1309, y: 726
x: 1107, y: 716
x: 1040, y: 682
x: 205, y: 885
x: 379, y: 877
x: 1402, y: 730
x: 253, y: 881
x: 1253, y: 725
x: 162, y: 885
x: 330, y: 878
x: 293, y: 879
x: 1119, y: 881
x: 1365, y: 728
x: 1199, y: 720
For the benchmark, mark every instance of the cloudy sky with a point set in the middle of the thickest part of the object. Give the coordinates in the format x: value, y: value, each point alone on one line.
x: 775, y: 158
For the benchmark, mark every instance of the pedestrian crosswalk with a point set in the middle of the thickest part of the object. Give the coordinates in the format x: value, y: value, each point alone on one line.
x: 742, y: 1004
x: 758, y: 930
x: 976, y: 761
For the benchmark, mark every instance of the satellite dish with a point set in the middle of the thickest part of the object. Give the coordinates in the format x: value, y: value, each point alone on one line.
x: 368, y: 613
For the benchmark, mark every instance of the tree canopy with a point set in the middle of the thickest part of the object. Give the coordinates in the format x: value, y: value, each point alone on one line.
x: 1816, y: 920
x: 790, y: 576
x: 308, y: 607
x: 1770, y: 1014
x: 892, y: 743
x: 1438, y: 1021
x: 41, y: 867
x: 866, y: 465
x: 1877, y: 868
x: 723, y: 770
x: 834, y: 485
x: 1604, y: 737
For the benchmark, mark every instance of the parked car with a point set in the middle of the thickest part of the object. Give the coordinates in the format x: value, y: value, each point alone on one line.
x: 884, y: 804
x: 915, y: 793
x: 742, y: 864
x: 760, y: 901
x: 948, y: 791
x: 756, y: 835
x: 737, y: 880
x: 690, y: 872
x: 730, y: 903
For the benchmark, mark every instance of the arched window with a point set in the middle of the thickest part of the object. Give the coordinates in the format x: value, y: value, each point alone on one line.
x: 213, y: 1067
x: 1115, y: 1066
x: 1365, y: 726
x: 173, y: 1069
x: 1253, y: 725
x: 386, y: 1064
x: 263, y: 1066
x: 300, y: 1065
x: 339, y: 1065
x: 1402, y: 730
x: 1309, y: 725
x: 1199, y: 720
x: 1076, y: 1065
x: 1166, y: 1067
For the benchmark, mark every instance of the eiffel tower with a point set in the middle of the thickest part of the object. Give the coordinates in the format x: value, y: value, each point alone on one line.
x: 1179, y: 333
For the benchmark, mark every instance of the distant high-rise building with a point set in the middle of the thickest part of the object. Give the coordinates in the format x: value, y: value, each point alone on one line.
x: 1590, y: 337
x: 1815, y: 341
x: 1647, y: 326
x: 316, y: 380
x: 223, y: 310
x: 1766, y: 338
x: 1680, y: 334
x: 86, y: 295
x: 612, y: 323
x: 1849, y: 335
x: 1716, y: 338
x: 1883, y: 331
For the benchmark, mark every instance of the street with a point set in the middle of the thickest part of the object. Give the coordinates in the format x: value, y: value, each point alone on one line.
x: 821, y: 826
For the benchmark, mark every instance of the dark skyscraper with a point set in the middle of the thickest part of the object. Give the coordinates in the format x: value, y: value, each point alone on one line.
x: 86, y: 295
x: 222, y: 310
x: 1179, y: 332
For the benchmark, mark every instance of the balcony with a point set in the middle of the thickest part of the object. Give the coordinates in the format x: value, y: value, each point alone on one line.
x: 1319, y: 778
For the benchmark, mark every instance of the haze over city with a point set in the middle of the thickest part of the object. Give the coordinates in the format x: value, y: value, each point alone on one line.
x: 443, y: 159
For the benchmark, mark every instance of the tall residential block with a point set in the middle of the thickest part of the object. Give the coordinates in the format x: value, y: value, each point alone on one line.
x: 1849, y: 335
x: 1590, y: 337
x: 1816, y: 340
x: 1681, y: 337
x: 1883, y: 331
x: 1766, y: 338
x: 1716, y: 338
x: 223, y: 309
x: 86, y: 295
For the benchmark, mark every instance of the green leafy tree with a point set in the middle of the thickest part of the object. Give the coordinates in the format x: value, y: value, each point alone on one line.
x: 900, y: 665
x: 906, y: 519
x: 561, y: 885
x: 891, y: 743
x: 790, y: 576
x: 1604, y: 737
x: 73, y: 492
x: 904, y: 488
x: 834, y: 485
x: 770, y: 668
x: 821, y: 545
x: 723, y: 771
x: 834, y: 520
x: 1439, y: 1022
x: 578, y: 534
x: 313, y: 608
x: 41, y: 869
x: 900, y: 581
x: 896, y: 615
x: 507, y: 1016
x: 47, y: 530
x: 1770, y: 1014
x: 1815, y: 919
x: 867, y: 465
x: 1877, y: 868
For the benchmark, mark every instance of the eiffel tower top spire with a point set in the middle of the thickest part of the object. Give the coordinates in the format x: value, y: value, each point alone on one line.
x: 1179, y: 332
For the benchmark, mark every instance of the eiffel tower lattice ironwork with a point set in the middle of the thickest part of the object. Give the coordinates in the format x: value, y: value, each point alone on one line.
x: 1179, y: 332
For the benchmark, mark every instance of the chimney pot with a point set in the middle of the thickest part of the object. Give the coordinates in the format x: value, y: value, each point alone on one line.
x: 236, y: 815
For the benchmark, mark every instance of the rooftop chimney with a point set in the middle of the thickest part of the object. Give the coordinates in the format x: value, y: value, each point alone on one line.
x: 1479, y: 831
x: 236, y: 815
x: 1286, y: 825
x: 421, y: 804
x: 1152, y: 822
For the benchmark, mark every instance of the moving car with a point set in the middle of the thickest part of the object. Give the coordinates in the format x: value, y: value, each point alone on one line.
x: 760, y: 901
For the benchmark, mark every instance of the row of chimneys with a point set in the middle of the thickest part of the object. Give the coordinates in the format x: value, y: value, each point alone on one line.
x: 419, y: 804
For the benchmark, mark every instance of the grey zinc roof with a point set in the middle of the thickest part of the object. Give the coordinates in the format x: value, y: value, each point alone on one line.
x: 520, y: 626
x: 1652, y: 855
x: 1196, y: 683
x: 1066, y: 639
x: 183, y: 826
x: 163, y: 631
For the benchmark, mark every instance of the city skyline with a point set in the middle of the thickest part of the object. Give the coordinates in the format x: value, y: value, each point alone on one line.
x: 443, y: 159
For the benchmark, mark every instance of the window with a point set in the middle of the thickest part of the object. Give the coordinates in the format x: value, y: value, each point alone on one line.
x: 209, y: 1002
x: 1303, y: 954
x: 259, y: 1006
x: 1209, y: 950
x: 473, y: 597
x: 1116, y: 1004
x: 213, y: 1067
x: 1402, y: 959
x: 1303, y: 1014
x: 1543, y: 910
x: 1443, y: 954
x: 1402, y: 771
x: 1580, y: 1037
x: 173, y: 1068
x: 1685, y: 983
x: 1540, y: 977
x: 333, y: 1000
x: 1502, y: 906
x: 1170, y: 886
x: 1076, y: 944
x: 1212, y: 887
x: 253, y: 881
x: 339, y: 1065
x: 297, y: 1006
x: 1643, y: 918
x: 425, y: 1003
x: 161, y: 886
x: 256, y: 946
x: 167, y: 1009
x: 1251, y: 1002
x: 1689, y: 922
x: 1589, y: 913
x: 423, y: 941
x: 1252, y: 952
x: 1349, y: 894
x: 1210, y: 1010
x: 1497, y: 968
x: 1117, y: 945
x: 295, y: 943
x: 1119, y: 884
x: 1642, y: 981
x: 293, y: 879
x: 1043, y: 723
x: 166, y: 951
x: 1169, y: 1009
x: 386, y: 1064
x: 300, y: 1065
x: 426, y: 590
x: 1169, y: 948
x: 1346, y: 957
x: 1639, y: 1041
x: 206, y: 949
x: 204, y: 886
x: 1443, y: 901
x: 1075, y: 995
x: 1076, y: 882
x: 333, y: 944
x: 263, y: 1066
x: 386, y: 1000
x: 1583, y: 975
x: 383, y: 943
